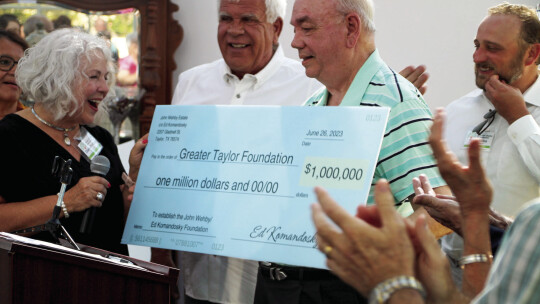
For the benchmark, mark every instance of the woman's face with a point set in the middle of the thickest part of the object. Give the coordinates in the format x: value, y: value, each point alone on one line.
x: 92, y: 88
x: 9, y: 51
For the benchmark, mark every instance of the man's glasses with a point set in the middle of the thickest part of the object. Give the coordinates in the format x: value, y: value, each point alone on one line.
x: 7, y: 63
x: 489, y: 118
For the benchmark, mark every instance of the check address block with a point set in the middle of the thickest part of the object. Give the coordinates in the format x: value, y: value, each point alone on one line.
x: 238, y: 181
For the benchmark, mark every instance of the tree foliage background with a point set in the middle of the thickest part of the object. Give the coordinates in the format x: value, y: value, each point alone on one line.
x: 119, y: 23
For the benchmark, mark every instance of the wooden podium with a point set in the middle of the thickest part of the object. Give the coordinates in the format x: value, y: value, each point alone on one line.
x: 33, y: 274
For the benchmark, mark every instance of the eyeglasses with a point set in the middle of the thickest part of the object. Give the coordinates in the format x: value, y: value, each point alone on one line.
x: 482, y: 127
x: 7, y: 63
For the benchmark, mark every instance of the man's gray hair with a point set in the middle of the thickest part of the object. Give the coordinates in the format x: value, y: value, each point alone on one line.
x: 274, y: 9
x: 50, y: 73
x: 364, y: 8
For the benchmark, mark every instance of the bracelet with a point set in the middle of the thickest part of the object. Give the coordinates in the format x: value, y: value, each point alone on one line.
x: 475, y: 258
x: 384, y: 290
x: 66, y: 214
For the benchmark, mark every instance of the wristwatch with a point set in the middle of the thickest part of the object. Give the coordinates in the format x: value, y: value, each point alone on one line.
x: 384, y: 290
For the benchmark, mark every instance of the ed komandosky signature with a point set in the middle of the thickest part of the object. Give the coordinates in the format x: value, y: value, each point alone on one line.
x: 276, y: 235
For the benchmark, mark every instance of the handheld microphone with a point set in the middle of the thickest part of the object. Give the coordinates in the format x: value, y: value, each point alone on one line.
x: 99, y: 165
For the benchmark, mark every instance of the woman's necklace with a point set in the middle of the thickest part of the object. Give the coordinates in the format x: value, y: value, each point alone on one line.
x: 67, y: 141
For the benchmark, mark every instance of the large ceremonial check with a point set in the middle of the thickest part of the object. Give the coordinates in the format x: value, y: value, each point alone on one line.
x: 238, y: 181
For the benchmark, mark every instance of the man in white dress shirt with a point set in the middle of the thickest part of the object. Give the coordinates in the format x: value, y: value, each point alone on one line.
x: 506, y: 58
x: 253, y: 71
x: 507, y: 77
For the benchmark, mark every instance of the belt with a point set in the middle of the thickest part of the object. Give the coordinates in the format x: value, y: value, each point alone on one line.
x: 277, y: 272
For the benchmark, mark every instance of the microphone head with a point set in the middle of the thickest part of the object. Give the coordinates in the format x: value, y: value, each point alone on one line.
x: 100, y: 165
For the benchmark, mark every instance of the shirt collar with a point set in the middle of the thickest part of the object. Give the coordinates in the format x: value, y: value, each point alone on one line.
x: 361, y: 81
x: 262, y: 76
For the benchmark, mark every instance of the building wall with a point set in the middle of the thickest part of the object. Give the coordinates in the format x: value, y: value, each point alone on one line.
x: 436, y: 33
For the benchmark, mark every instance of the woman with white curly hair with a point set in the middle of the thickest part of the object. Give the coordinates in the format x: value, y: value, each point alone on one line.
x: 67, y: 74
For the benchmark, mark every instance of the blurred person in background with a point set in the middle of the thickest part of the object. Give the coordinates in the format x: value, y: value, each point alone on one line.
x: 12, y: 48
x: 114, y: 50
x: 129, y: 65
x: 10, y: 23
x: 62, y: 21
x: 100, y: 25
x: 30, y: 24
x: 35, y: 28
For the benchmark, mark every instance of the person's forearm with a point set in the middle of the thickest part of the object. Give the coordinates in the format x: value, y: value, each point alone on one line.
x: 20, y: 215
x: 476, y: 241
x: 499, y: 220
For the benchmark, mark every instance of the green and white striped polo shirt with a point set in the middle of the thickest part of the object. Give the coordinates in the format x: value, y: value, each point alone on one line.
x: 405, y: 152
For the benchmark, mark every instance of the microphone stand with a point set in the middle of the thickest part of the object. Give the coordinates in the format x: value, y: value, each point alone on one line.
x: 61, y: 169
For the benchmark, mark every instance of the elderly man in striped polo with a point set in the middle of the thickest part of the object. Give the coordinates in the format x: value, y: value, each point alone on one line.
x: 336, y: 43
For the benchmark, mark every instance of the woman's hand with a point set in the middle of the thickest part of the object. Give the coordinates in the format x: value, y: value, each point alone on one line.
x: 136, y: 155
x: 361, y: 254
x: 85, y: 193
